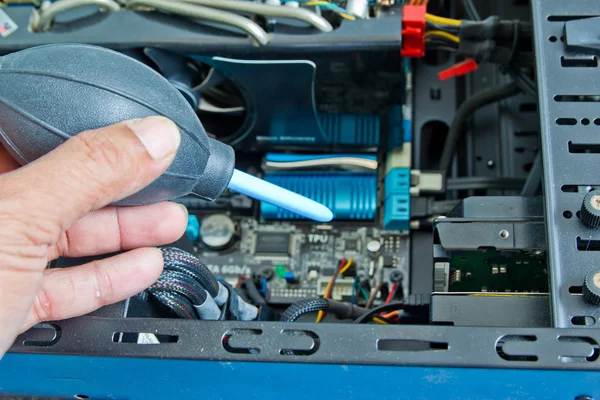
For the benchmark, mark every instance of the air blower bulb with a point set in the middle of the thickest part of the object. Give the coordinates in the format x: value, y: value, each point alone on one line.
x: 100, y: 87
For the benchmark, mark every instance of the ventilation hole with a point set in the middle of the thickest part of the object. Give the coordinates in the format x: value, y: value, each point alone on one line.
x: 578, y: 349
x: 568, y: 214
x: 520, y: 150
x: 516, y: 348
x: 585, y: 121
x: 435, y: 94
x: 240, y: 334
x: 528, y: 107
x: 584, y: 148
x: 143, y: 338
x: 433, y: 138
x: 43, y: 335
x: 526, y: 133
x: 576, y: 290
x: 409, y: 345
x: 583, y: 62
x: 597, y: 121
x: 81, y: 396
x: 584, y: 397
x: 566, y: 121
x: 577, y: 98
x: 578, y: 214
x: 582, y: 320
x: 478, y: 158
x: 553, y: 39
x: 569, y: 188
x: 587, y: 244
x: 565, y: 18
x: 527, y: 166
x: 315, y: 342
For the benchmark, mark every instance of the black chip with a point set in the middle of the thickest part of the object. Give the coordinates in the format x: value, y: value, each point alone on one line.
x: 388, y: 261
x: 277, y: 243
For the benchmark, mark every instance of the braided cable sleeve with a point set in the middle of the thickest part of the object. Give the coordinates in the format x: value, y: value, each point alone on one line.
x: 303, y: 307
x: 179, y: 260
x: 178, y: 303
x: 185, y: 285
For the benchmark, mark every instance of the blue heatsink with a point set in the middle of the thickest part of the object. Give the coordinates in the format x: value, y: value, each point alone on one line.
x: 349, y: 195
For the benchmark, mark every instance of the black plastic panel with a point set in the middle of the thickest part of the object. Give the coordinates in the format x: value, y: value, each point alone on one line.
x: 570, y: 141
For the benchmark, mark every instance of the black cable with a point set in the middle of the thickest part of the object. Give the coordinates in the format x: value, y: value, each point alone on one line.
x: 183, y: 284
x: 337, y: 308
x: 471, y: 10
x: 179, y: 260
x: 375, y: 311
x: 446, y: 28
x: 440, y: 48
x: 526, y: 84
x: 484, y: 183
x: 534, y: 179
x: 465, y: 110
x: 253, y: 293
x: 176, y: 302
x: 302, y: 307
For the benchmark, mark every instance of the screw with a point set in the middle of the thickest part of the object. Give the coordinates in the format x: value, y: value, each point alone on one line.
x: 584, y: 397
x: 491, y: 164
x: 504, y: 234
x: 595, y: 201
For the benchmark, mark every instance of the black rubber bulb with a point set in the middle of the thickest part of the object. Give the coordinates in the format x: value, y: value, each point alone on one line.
x: 51, y: 93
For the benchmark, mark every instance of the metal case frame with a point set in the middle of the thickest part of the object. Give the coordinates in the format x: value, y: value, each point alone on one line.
x: 424, y: 346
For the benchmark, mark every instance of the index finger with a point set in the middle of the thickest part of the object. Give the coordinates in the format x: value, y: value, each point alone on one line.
x: 7, y: 162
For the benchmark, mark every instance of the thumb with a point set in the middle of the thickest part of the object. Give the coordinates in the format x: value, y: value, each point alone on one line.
x: 87, y: 172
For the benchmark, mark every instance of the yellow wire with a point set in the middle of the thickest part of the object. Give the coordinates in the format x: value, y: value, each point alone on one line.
x: 347, y: 16
x: 345, y: 268
x: 442, y: 20
x: 446, y: 35
x: 379, y: 321
x: 326, y: 3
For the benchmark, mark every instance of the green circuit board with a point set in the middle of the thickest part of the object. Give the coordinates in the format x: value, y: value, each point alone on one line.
x: 490, y: 270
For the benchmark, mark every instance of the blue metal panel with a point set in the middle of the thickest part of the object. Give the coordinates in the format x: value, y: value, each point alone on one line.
x: 119, y: 378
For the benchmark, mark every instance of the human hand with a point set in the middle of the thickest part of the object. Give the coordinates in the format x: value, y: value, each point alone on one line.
x: 57, y: 206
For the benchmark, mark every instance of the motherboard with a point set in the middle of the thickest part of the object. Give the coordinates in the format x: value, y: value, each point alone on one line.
x: 296, y: 260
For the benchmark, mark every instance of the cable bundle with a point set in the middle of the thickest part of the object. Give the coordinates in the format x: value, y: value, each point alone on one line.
x: 190, y: 290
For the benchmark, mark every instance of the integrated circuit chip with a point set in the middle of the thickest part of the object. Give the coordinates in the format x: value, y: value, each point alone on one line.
x: 272, y: 243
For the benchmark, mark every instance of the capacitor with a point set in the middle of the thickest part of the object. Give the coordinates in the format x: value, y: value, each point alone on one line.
x: 357, y: 8
x: 373, y: 247
x: 217, y: 231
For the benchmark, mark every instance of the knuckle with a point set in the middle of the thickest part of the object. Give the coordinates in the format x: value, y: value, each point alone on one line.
x: 103, y: 283
x: 26, y: 230
x: 102, y: 149
x: 110, y: 156
x: 42, y: 306
x: 108, y: 163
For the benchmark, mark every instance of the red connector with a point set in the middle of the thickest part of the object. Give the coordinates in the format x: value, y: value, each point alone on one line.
x: 460, y: 69
x: 413, y: 31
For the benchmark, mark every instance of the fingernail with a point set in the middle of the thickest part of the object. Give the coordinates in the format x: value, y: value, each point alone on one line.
x: 184, y: 208
x: 159, y: 135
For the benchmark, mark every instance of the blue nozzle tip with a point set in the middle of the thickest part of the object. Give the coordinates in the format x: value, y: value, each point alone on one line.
x: 278, y: 196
